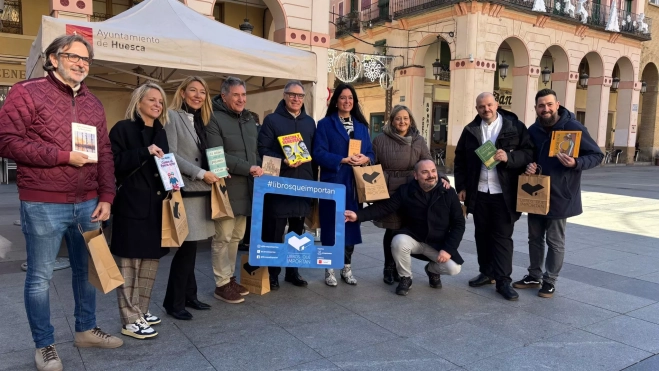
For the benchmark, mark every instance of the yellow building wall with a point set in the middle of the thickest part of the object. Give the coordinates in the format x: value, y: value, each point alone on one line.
x: 31, y: 15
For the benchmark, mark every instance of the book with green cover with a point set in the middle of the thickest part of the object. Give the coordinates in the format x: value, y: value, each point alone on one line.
x: 216, y: 161
x: 486, y: 153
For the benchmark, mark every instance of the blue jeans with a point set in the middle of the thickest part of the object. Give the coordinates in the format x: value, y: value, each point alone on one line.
x: 44, y: 225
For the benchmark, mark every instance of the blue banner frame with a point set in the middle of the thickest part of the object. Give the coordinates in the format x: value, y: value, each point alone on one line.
x: 296, y: 251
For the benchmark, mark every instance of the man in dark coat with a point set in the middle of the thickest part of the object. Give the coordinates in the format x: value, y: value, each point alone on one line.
x: 279, y: 210
x: 432, y: 226
x: 490, y: 195
x: 565, y: 191
x: 233, y: 127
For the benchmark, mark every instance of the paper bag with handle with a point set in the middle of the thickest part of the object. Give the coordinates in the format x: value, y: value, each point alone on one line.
x: 103, y: 271
x: 255, y: 279
x: 220, y: 205
x: 533, y: 193
x: 370, y: 182
x: 174, y: 221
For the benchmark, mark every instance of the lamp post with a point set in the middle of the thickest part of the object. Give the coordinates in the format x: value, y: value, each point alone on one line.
x: 246, y: 26
x: 615, y: 83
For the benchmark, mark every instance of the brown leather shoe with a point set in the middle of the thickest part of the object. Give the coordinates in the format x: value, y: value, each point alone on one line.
x: 228, y: 294
x: 238, y: 287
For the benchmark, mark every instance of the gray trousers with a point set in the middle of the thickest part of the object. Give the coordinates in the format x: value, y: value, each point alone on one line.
x: 553, y: 230
x: 403, y: 246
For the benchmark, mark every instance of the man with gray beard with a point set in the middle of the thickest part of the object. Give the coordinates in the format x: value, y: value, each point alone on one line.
x: 433, y: 225
x: 565, y: 191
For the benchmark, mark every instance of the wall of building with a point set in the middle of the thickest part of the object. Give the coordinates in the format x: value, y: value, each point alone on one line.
x: 648, y: 115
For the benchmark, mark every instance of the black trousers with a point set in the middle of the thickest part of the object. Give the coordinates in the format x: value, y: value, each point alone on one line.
x: 182, y: 284
x: 273, y: 231
x: 348, y: 254
x: 494, y: 231
x: 386, y: 245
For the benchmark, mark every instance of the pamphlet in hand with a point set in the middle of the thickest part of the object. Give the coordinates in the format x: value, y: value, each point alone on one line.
x: 169, y: 172
x: 486, y: 153
x: 295, y: 150
x: 84, y: 140
x: 567, y: 142
x: 216, y: 161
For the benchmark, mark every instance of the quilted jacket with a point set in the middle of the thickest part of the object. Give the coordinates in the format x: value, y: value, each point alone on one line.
x: 35, y: 131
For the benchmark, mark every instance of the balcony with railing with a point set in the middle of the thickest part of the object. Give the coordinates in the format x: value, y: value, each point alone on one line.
x: 573, y: 11
x: 347, y: 24
x: 11, y: 17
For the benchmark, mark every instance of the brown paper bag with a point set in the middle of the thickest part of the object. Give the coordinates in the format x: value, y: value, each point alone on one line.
x: 533, y: 194
x: 103, y: 271
x: 220, y: 205
x: 370, y: 182
x: 254, y: 279
x: 313, y: 220
x: 174, y: 220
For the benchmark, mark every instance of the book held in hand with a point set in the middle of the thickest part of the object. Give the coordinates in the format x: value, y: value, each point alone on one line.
x: 84, y: 140
x: 295, y: 150
x: 354, y: 147
x: 169, y: 172
x: 486, y: 153
x: 217, y: 163
x: 271, y: 165
x: 567, y: 142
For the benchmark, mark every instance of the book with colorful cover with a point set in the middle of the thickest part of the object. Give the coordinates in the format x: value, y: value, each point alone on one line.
x: 567, y: 142
x: 486, y: 153
x: 217, y: 163
x: 169, y: 172
x: 84, y: 140
x: 295, y: 150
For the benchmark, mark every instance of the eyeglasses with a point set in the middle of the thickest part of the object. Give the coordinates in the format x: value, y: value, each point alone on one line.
x: 293, y: 95
x: 75, y: 58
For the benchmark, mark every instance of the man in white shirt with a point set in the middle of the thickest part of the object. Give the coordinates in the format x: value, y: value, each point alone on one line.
x: 490, y: 194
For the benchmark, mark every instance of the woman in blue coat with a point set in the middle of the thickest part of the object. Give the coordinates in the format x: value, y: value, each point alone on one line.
x: 343, y: 121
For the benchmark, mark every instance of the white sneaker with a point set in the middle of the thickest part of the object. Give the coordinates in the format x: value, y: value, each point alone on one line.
x: 139, y: 330
x: 46, y: 359
x: 346, y: 274
x: 151, y: 319
x: 330, y: 280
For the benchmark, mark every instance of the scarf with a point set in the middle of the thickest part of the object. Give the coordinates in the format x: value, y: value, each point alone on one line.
x: 202, y: 144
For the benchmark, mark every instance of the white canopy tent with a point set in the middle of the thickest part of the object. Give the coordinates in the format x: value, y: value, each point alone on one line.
x: 165, y: 41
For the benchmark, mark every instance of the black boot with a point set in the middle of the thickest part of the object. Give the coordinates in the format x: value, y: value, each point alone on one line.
x: 507, y: 291
x: 404, y: 286
x: 388, y: 274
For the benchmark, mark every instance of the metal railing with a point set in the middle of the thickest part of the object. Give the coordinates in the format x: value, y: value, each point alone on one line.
x: 100, y: 17
x: 374, y: 13
x: 347, y: 24
x: 11, y: 17
x: 401, y: 8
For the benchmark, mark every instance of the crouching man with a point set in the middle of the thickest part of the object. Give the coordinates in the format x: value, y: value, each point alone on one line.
x: 432, y: 226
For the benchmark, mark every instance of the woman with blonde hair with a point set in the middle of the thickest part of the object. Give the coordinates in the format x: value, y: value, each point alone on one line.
x: 138, y: 206
x: 189, y: 113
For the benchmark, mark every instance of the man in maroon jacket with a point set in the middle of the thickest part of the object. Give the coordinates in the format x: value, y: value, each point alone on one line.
x: 60, y: 190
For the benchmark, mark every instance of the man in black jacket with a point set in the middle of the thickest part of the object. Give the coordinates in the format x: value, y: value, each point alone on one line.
x: 279, y: 210
x: 490, y: 195
x: 565, y: 191
x: 433, y: 226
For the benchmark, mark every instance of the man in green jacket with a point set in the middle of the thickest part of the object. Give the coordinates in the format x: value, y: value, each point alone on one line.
x: 233, y: 128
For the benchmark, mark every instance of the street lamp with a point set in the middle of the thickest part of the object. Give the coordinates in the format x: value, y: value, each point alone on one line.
x: 246, y: 26
x: 546, y: 74
x: 583, y: 80
x: 644, y: 87
x: 503, y: 70
x: 437, y: 69
x: 615, y: 83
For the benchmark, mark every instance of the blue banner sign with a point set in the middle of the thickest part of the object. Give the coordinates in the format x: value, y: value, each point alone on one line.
x: 296, y: 251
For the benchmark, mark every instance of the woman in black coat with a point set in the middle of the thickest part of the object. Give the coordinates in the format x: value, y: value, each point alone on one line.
x: 137, y: 208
